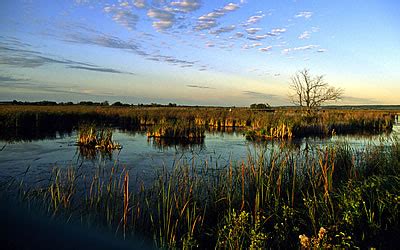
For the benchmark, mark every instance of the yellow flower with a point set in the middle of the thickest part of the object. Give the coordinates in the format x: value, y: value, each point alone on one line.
x: 304, y: 241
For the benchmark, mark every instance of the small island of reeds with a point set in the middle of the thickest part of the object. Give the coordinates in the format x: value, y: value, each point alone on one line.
x: 92, y: 137
x: 177, y: 129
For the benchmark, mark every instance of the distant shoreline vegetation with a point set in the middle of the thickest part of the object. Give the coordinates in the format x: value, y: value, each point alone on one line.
x: 252, y: 106
x: 259, y: 121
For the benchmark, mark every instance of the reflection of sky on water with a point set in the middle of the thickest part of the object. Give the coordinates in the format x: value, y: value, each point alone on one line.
x: 143, y: 156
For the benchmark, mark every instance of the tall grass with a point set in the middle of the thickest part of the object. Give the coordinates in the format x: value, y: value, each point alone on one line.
x: 290, y: 124
x: 283, y: 122
x: 177, y: 129
x: 332, y: 196
x: 92, y: 137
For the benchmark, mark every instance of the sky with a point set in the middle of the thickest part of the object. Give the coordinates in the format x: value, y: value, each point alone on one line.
x: 193, y: 52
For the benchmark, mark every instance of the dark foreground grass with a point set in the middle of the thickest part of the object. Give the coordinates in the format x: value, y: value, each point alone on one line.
x: 326, y: 197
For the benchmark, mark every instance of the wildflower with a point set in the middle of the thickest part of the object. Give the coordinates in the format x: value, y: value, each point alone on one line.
x: 304, y: 241
x: 321, y: 233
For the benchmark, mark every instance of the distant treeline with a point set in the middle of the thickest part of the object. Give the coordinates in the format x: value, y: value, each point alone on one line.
x: 259, y: 106
x: 87, y: 103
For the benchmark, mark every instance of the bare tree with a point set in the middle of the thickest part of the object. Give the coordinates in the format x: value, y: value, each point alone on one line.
x: 312, y: 91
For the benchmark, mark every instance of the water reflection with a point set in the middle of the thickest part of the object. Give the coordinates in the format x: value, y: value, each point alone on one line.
x: 177, y: 144
x: 144, y: 156
x: 33, y: 134
x: 46, y: 133
x: 228, y: 130
x: 91, y: 153
x: 291, y: 143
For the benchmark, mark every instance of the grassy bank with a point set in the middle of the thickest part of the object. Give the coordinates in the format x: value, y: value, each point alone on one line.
x: 280, y: 198
x: 282, y: 123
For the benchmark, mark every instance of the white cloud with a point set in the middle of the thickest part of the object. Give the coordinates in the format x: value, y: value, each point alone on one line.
x: 254, y: 19
x: 187, y: 5
x: 307, y: 47
x: 278, y: 31
x: 304, y: 14
x: 209, y: 20
x: 258, y: 37
x: 163, y: 24
x: 204, y: 25
x: 261, y: 37
x: 304, y: 35
x: 239, y: 34
x: 212, y: 15
x: 165, y: 19
x: 81, y: 1
x: 249, y: 46
x: 122, y: 16
x: 139, y: 4
x: 108, y: 9
x: 227, y: 46
x: 253, y: 30
x: 210, y: 44
x: 223, y: 29
x: 231, y: 7
x: 127, y: 19
x: 159, y: 14
x: 266, y: 49
x: 314, y: 29
x: 124, y: 4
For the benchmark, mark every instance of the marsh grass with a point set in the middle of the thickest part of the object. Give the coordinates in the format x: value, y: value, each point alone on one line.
x: 177, y: 129
x: 265, y: 201
x: 91, y: 138
x: 174, y: 121
x: 288, y: 124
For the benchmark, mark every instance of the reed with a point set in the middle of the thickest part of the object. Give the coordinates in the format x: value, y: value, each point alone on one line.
x: 286, y: 125
x: 283, y: 122
x: 184, y: 130
x: 265, y: 201
x: 90, y: 136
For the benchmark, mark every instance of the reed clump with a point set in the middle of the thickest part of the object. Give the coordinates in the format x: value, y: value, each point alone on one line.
x: 91, y: 137
x: 289, y: 124
x: 176, y: 129
x: 281, y: 131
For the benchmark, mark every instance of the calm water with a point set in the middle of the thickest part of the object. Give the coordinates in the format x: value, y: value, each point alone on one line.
x: 142, y: 156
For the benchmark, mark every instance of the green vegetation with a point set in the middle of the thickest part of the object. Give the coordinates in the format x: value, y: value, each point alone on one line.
x: 334, y: 196
x: 260, y: 106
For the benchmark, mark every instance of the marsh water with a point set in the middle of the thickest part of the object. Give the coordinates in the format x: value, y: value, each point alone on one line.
x: 35, y: 158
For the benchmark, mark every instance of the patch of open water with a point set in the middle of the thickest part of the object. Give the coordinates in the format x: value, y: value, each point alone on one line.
x: 143, y: 156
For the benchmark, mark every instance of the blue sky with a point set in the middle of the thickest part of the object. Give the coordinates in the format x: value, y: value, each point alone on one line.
x: 197, y: 52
